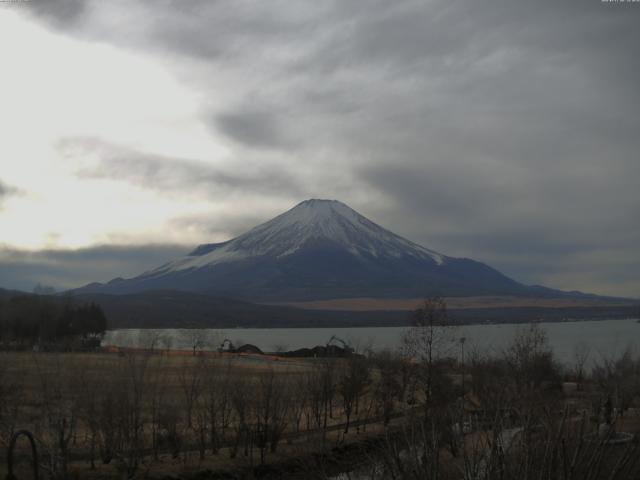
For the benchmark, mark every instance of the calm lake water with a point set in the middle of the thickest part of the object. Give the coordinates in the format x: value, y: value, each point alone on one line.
x: 602, y: 338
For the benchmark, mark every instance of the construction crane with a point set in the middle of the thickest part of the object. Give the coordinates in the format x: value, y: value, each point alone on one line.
x: 345, y: 345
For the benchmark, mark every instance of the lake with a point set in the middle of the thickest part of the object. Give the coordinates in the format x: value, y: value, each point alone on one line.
x: 603, y: 337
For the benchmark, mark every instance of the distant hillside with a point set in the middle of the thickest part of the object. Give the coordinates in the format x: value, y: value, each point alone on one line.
x: 4, y: 293
x: 175, y: 309
x: 172, y: 309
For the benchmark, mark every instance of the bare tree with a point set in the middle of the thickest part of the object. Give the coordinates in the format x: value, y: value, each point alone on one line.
x: 354, y: 378
x: 197, y: 341
x: 321, y: 387
x: 156, y: 388
x: 59, y: 409
x: 388, y: 388
x: 190, y: 379
x: 271, y: 408
x: 299, y: 401
x: 220, y: 405
x: 11, y: 401
x: 89, y: 410
x: 581, y: 353
x: 531, y: 359
x: 619, y: 379
x: 241, y: 398
x: 170, y: 426
x: 427, y: 340
x: 200, y: 424
x: 167, y: 342
x: 121, y: 414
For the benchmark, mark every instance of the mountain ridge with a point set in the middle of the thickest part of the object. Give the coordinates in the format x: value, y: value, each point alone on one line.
x: 320, y: 249
x: 290, y: 231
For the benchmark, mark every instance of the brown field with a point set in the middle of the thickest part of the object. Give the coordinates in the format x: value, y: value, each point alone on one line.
x: 168, y: 415
x: 48, y: 389
x: 407, y: 304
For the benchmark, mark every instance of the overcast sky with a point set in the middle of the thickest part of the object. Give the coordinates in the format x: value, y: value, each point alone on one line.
x: 505, y: 131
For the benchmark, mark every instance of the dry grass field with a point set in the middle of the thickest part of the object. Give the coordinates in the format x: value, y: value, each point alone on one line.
x: 162, y: 414
x: 410, y: 304
x: 161, y: 409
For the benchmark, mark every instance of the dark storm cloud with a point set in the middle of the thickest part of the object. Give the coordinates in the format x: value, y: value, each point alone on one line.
x: 200, y: 28
x: 171, y: 175
x: 64, y: 269
x: 541, y: 231
x: 59, y: 13
x: 252, y: 128
x: 500, y: 130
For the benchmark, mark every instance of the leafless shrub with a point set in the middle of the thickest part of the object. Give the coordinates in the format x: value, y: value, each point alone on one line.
x: 354, y: 378
x: 11, y: 401
x: 271, y: 409
x: 59, y: 402
x: 387, y: 389
x: 619, y: 379
x: 121, y: 414
x: 218, y: 403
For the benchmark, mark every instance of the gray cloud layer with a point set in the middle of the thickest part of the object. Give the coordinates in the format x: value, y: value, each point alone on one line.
x: 505, y: 131
x: 64, y: 269
x: 6, y: 191
x: 170, y: 175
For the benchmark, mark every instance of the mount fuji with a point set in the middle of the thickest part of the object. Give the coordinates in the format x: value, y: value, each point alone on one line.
x: 320, y: 249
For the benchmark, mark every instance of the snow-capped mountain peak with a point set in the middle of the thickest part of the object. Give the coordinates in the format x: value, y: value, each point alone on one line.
x: 319, y: 249
x: 312, y: 222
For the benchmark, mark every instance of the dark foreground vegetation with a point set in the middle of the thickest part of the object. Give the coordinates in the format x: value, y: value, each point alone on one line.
x: 47, y: 322
x: 430, y: 411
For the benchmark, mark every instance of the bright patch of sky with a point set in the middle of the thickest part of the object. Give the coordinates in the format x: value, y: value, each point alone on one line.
x: 54, y: 87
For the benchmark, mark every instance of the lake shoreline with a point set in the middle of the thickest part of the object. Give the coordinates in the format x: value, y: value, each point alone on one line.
x: 602, y: 337
x: 406, y: 325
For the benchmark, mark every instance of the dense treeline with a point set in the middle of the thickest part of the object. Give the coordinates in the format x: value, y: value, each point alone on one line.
x: 29, y: 320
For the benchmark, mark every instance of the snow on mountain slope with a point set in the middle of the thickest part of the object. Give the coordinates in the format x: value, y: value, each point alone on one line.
x: 320, y: 249
x: 308, y: 222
